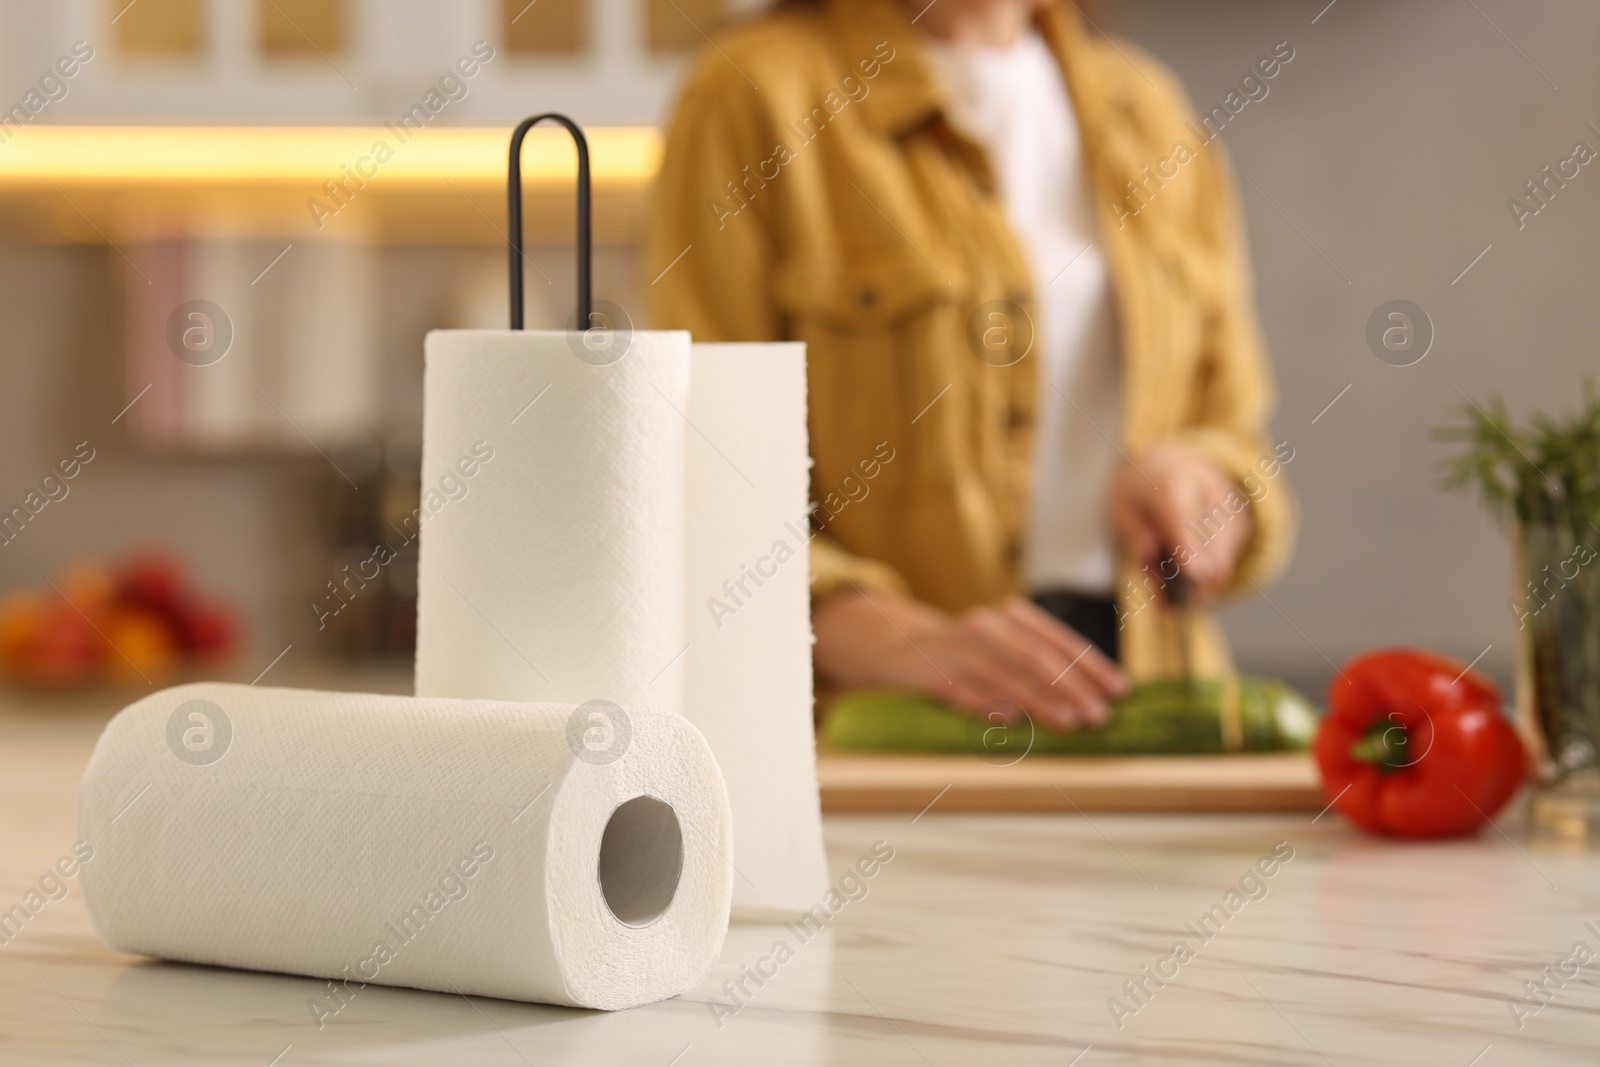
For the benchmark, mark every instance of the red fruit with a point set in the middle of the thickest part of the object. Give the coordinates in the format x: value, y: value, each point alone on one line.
x: 152, y: 579
x: 65, y: 650
x: 207, y: 629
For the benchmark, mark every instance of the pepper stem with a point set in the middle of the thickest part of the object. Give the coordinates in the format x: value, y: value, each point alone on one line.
x: 1384, y: 745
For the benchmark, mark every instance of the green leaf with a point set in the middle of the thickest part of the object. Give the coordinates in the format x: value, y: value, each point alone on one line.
x: 1544, y: 472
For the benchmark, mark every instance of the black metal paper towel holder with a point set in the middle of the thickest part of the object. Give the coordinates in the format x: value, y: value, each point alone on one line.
x: 514, y: 217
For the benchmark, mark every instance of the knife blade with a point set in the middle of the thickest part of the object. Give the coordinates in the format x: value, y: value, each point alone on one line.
x: 1180, y: 597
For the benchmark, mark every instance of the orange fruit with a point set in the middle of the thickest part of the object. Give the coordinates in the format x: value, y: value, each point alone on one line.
x: 143, y: 646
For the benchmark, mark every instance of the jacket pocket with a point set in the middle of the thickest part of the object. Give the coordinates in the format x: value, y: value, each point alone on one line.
x: 861, y: 289
x: 884, y: 331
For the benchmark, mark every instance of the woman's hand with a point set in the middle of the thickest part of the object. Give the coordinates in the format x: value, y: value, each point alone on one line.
x: 1013, y: 652
x: 1171, y: 502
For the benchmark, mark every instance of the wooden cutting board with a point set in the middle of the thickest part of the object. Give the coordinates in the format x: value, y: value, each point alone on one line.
x: 875, y: 781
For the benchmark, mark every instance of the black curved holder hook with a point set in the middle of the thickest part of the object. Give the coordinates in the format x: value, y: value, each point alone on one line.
x: 514, y: 216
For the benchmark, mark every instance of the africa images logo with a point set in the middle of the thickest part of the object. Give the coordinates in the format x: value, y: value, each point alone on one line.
x: 199, y: 732
x: 599, y: 732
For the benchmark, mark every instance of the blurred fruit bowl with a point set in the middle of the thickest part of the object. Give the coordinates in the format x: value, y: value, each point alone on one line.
x: 137, y: 619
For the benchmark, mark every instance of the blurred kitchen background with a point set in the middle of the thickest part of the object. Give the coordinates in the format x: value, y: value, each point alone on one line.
x: 1378, y: 167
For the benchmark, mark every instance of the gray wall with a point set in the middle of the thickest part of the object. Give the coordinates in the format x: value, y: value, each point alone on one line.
x: 1392, y: 142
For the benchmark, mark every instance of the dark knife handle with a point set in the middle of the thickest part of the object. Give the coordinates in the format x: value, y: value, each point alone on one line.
x: 1179, y: 590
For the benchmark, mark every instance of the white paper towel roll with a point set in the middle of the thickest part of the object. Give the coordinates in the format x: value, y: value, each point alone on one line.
x: 557, y: 575
x: 582, y: 562
x: 748, y: 668
x: 532, y: 852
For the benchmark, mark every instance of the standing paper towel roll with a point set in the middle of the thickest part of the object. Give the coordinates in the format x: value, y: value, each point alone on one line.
x: 555, y: 572
x: 748, y: 574
x: 531, y: 852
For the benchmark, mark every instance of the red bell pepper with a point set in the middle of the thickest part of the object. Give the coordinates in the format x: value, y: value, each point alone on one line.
x: 1414, y: 745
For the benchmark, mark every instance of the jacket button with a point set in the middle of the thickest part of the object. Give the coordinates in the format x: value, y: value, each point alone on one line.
x: 1016, y: 419
x: 867, y: 297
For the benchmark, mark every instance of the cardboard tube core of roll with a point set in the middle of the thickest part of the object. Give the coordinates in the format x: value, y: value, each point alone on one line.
x: 641, y: 860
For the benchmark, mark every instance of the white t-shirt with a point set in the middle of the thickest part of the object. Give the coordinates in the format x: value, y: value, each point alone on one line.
x: 1013, y: 102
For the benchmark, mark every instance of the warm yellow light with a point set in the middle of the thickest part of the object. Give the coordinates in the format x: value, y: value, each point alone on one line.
x: 199, y: 156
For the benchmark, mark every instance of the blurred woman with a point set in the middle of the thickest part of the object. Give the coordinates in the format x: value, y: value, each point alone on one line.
x: 1037, y: 393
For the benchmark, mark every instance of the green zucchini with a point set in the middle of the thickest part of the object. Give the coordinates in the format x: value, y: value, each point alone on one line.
x: 1161, y: 717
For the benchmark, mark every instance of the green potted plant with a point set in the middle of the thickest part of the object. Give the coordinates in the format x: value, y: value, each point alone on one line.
x: 1543, y: 478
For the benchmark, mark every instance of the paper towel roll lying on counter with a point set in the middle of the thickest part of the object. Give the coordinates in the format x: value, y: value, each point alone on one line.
x: 640, y: 536
x: 532, y: 852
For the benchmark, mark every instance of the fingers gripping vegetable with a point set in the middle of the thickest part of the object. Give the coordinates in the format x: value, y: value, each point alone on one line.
x: 1415, y: 746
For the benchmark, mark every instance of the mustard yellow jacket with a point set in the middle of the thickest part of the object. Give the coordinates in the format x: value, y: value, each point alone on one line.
x: 812, y: 190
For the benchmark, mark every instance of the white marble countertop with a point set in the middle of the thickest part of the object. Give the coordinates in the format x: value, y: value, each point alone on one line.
x: 986, y: 940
